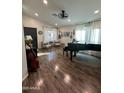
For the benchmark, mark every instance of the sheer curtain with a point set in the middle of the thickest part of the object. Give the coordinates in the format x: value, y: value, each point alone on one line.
x: 95, y: 33
x: 89, y: 33
x: 50, y: 35
x: 80, y: 34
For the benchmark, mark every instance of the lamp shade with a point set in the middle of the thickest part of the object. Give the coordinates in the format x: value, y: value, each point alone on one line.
x: 28, y: 37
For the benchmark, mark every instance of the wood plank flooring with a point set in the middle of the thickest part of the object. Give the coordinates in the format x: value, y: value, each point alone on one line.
x: 57, y: 74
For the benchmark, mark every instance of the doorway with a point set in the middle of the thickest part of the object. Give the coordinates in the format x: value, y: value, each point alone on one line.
x: 33, y: 33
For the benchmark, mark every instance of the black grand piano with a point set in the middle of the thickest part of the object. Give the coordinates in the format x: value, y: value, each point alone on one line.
x: 76, y: 47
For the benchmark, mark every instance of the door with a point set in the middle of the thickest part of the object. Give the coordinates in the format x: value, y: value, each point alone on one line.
x: 33, y: 33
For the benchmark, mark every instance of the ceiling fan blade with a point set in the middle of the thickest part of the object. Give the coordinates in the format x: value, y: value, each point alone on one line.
x: 54, y: 14
x: 66, y: 16
x: 61, y: 15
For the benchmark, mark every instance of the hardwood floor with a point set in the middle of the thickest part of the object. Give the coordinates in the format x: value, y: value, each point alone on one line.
x: 57, y: 74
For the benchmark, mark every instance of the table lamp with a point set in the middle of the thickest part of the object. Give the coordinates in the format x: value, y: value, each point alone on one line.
x: 28, y: 40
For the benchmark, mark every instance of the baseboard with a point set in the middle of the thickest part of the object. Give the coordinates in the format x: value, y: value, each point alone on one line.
x: 25, y: 77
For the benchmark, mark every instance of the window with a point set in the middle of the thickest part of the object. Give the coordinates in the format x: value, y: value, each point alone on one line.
x: 89, y: 33
x: 80, y: 35
x: 50, y: 36
x: 95, y: 36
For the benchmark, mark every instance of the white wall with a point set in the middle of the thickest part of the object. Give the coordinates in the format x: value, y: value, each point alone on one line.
x: 66, y: 40
x: 28, y: 21
x: 24, y: 60
x: 31, y: 22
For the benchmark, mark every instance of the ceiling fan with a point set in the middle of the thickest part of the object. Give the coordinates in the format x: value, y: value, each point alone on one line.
x: 61, y: 15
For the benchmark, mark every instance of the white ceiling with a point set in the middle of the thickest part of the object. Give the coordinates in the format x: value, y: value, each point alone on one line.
x: 80, y: 11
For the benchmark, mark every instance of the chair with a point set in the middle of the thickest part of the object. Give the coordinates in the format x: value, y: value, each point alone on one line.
x: 57, y: 43
x: 46, y: 45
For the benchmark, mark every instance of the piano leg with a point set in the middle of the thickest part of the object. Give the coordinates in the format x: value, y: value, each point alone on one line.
x: 66, y: 53
x: 71, y: 54
x: 74, y: 53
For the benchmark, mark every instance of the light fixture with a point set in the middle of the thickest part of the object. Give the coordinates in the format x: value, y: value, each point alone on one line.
x: 28, y: 37
x: 36, y: 14
x: 69, y: 20
x: 56, y: 24
x: 96, y: 11
x: 45, y: 2
x: 28, y: 41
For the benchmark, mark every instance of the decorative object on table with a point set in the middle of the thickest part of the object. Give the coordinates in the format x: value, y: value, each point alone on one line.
x: 40, y: 32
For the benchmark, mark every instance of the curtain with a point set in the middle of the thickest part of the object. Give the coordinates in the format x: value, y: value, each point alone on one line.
x: 80, y: 33
x: 95, y: 33
x: 89, y: 33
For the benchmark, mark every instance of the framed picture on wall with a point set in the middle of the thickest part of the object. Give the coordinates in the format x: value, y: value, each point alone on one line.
x: 66, y: 34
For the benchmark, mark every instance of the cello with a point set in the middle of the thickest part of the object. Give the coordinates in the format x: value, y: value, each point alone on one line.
x: 32, y: 59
